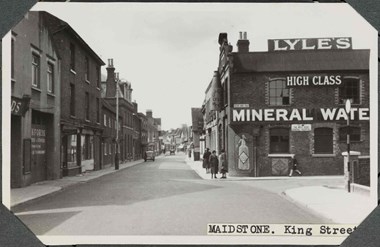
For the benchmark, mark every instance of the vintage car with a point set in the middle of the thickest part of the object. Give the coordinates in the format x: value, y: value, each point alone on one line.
x: 149, y: 155
x: 172, y: 151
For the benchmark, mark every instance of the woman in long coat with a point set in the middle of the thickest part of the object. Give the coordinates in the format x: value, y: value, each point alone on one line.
x: 214, y: 163
x: 223, y: 167
x: 206, y: 157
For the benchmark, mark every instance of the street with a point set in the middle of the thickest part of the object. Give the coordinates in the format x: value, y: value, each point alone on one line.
x: 164, y: 197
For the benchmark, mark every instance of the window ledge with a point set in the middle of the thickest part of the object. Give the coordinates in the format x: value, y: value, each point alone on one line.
x: 323, y: 155
x: 280, y: 155
x: 13, y: 80
x: 36, y: 89
x: 72, y: 116
x: 87, y: 81
x: 51, y: 94
x: 73, y: 71
x: 86, y: 120
x: 98, y: 88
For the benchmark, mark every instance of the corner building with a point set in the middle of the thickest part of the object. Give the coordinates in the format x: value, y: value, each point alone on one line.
x: 288, y: 102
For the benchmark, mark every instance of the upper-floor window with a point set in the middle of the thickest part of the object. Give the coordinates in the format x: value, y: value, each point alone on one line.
x: 72, y: 99
x: 87, y: 69
x: 97, y: 110
x: 13, y: 58
x: 323, y: 141
x: 72, y: 56
x: 50, y: 77
x: 279, y: 140
x: 98, y: 77
x: 105, y: 119
x: 279, y: 94
x: 87, y: 105
x: 350, y: 89
x: 35, y: 70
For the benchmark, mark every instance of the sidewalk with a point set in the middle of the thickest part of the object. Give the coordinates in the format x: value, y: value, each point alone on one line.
x: 21, y: 195
x: 332, y: 203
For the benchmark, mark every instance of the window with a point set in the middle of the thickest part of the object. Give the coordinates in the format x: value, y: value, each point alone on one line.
x: 72, y: 57
x: 109, y: 148
x: 105, y: 119
x: 105, y: 148
x: 279, y: 140
x: 12, y: 59
x: 87, y: 105
x: 35, y: 70
x: 225, y: 85
x: 87, y: 69
x: 72, y: 99
x: 350, y: 89
x: 354, y: 134
x: 50, y: 78
x: 278, y: 93
x: 97, y: 110
x: 98, y: 77
x: 323, y: 141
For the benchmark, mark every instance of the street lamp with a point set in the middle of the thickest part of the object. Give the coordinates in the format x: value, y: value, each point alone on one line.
x: 348, y: 111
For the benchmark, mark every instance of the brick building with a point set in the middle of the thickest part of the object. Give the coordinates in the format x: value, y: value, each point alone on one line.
x: 35, y: 113
x: 109, y: 135
x: 80, y: 99
x: 289, y: 101
x: 143, y: 132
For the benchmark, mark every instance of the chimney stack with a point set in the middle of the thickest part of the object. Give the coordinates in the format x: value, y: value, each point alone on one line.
x: 110, y: 82
x: 149, y: 113
x: 243, y: 43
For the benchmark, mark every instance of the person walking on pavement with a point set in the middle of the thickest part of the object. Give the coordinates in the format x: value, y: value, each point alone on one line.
x: 214, y: 163
x: 206, y: 157
x: 223, y: 168
x: 294, y: 167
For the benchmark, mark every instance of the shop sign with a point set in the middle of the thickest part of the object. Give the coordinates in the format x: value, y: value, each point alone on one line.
x: 316, y: 80
x: 38, y: 138
x: 19, y: 106
x: 241, y: 105
x: 294, y: 115
x: 337, y: 43
x: 301, y: 127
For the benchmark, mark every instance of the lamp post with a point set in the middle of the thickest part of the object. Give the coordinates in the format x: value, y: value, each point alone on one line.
x: 348, y: 111
x: 117, y: 123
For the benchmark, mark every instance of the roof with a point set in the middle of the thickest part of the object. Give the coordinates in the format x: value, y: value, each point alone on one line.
x: 326, y: 60
x: 57, y: 25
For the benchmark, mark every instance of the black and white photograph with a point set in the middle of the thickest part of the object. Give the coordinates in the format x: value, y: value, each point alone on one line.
x: 201, y: 123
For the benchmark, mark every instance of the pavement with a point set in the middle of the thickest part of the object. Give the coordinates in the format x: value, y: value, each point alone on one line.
x: 331, y: 202
x: 43, y: 188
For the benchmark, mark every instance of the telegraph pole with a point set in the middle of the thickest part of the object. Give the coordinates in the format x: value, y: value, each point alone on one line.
x: 117, y: 123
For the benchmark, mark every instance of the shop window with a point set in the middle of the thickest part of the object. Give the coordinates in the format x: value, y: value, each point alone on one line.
x: 35, y: 70
x: 350, y: 89
x: 72, y: 57
x: 323, y: 141
x: 50, y: 78
x: 105, y: 148
x: 71, y: 148
x: 354, y: 134
x: 279, y: 94
x: 105, y: 120
x: 279, y: 140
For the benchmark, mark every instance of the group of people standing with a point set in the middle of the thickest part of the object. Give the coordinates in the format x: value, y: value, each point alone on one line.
x: 214, y: 164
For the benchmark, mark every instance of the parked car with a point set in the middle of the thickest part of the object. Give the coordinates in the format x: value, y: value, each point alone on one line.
x: 149, y: 155
x: 172, y: 151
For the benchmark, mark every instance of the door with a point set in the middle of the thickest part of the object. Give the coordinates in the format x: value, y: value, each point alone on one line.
x: 38, y: 149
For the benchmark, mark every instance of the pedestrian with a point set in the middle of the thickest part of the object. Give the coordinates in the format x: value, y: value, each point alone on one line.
x: 294, y: 166
x: 206, y: 157
x: 214, y: 163
x: 223, y: 164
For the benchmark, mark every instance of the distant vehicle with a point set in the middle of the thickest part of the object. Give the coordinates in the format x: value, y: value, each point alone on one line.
x: 172, y: 151
x: 149, y: 155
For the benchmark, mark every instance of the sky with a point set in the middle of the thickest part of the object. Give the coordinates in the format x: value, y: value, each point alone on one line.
x: 169, y: 51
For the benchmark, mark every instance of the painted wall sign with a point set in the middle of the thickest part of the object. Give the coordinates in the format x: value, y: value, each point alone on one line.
x: 301, y: 127
x: 339, y: 43
x: 292, y: 115
x: 38, y: 138
x: 317, y: 80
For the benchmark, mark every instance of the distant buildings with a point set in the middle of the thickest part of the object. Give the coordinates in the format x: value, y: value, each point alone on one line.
x: 63, y: 116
